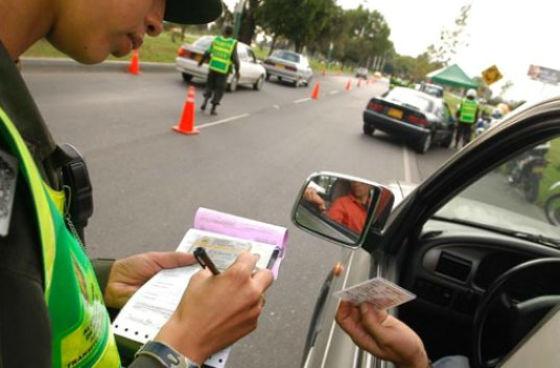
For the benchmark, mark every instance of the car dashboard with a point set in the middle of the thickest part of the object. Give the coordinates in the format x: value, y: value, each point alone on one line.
x: 449, y: 268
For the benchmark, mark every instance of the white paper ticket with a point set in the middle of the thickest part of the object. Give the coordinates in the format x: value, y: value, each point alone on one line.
x: 381, y: 293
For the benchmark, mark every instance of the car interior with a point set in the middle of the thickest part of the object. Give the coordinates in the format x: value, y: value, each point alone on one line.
x: 476, y: 294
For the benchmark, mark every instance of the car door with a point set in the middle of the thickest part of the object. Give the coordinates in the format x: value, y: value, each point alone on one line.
x: 383, y: 253
x: 244, y: 64
x: 256, y: 69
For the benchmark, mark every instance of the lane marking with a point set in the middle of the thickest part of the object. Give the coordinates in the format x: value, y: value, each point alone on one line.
x: 331, y: 333
x: 277, y: 107
x: 223, y: 121
x: 334, y: 92
x: 406, y: 164
x: 302, y: 100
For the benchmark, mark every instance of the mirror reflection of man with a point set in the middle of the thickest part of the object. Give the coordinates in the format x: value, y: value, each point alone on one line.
x: 351, y: 210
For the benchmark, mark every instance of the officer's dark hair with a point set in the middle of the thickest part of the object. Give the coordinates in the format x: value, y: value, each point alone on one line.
x: 228, y: 31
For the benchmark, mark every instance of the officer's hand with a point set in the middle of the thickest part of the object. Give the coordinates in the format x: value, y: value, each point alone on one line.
x: 128, y: 274
x: 313, y: 197
x: 216, y: 311
x: 382, y: 335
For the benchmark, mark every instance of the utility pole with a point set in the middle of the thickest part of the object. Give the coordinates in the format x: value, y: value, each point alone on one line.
x: 237, y: 14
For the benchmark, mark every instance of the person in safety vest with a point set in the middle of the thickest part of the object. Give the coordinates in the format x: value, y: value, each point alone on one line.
x: 223, y: 56
x: 467, y: 115
x: 53, y: 300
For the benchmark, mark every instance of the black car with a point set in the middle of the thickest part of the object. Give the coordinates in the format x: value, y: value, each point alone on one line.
x: 417, y: 117
x: 483, y: 262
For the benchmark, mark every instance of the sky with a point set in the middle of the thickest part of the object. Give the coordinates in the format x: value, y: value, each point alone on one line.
x: 511, y: 35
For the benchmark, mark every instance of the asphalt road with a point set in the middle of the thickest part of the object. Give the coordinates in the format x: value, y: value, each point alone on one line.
x: 250, y: 160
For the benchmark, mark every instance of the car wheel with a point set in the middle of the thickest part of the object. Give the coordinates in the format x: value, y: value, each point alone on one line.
x: 424, y: 145
x: 187, y: 77
x: 258, y: 84
x: 368, y: 129
x: 232, y: 86
x: 552, y: 209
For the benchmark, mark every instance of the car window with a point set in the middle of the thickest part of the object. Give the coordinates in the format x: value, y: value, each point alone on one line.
x: 286, y: 55
x: 242, y: 52
x: 411, y: 97
x: 203, y: 42
x: 252, y: 56
x: 522, y: 195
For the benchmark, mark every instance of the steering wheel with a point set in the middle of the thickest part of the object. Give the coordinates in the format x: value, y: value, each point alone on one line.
x: 522, y: 316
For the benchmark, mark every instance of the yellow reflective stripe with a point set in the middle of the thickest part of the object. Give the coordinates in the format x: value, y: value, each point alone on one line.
x: 58, y: 198
x: 46, y: 226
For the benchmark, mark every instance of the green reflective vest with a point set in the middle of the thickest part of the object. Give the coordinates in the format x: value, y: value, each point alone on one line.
x: 468, y: 111
x: 221, y: 51
x: 80, y: 325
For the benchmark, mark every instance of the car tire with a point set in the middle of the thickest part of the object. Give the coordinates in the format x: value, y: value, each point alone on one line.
x: 186, y: 77
x: 423, y: 145
x: 368, y: 129
x: 232, y: 86
x: 257, y: 86
x: 552, y: 209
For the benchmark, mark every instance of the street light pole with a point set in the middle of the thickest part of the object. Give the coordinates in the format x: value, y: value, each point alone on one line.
x: 237, y: 13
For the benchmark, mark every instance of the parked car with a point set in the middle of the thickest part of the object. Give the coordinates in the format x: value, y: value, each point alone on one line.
x: 289, y: 66
x: 432, y: 89
x: 362, y: 73
x: 251, y: 73
x: 483, y: 263
x: 415, y: 116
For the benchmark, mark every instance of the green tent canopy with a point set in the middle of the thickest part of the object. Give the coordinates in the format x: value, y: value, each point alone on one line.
x: 452, y: 76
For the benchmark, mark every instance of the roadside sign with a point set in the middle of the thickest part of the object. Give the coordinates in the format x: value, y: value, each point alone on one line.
x: 546, y: 75
x: 491, y: 75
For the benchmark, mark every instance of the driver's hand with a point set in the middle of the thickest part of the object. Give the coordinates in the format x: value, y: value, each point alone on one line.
x: 311, y: 196
x: 382, y: 335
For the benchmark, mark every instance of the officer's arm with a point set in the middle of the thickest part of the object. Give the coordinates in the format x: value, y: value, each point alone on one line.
x: 102, y: 267
x: 235, y: 59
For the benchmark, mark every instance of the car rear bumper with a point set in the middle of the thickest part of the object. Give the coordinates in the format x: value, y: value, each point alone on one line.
x: 282, y: 73
x: 394, y: 126
x: 191, y: 67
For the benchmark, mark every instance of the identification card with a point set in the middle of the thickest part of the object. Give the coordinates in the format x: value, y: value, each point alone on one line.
x: 381, y: 293
x: 8, y: 179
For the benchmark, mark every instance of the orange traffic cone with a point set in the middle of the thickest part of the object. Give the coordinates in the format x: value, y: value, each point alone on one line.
x: 134, y: 67
x: 186, y: 125
x: 349, y: 85
x: 315, y: 93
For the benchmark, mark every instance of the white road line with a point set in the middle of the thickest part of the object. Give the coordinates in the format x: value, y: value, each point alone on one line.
x: 277, y: 107
x: 406, y: 164
x: 334, y: 92
x: 302, y: 100
x: 223, y: 121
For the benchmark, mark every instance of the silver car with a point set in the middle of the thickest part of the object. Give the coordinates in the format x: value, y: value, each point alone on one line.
x: 289, y: 66
x: 251, y: 72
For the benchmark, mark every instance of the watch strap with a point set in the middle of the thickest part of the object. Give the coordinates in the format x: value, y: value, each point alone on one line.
x: 165, y: 355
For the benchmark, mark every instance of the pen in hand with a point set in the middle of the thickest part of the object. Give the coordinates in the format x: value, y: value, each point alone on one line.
x: 204, y: 260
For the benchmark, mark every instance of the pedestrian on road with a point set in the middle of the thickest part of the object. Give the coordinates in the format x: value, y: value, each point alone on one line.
x: 467, y: 115
x: 53, y: 299
x: 223, y: 56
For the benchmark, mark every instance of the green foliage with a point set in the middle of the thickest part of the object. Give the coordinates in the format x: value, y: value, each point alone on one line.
x: 451, y: 39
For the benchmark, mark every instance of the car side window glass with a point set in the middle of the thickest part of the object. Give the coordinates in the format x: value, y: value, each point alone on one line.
x: 521, y: 196
x: 242, y: 52
x: 252, y: 56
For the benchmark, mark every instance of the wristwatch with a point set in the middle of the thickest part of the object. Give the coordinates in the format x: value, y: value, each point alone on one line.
x: 165, y: 355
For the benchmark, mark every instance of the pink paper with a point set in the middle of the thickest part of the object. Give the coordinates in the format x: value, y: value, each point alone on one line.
x: 240, y: 227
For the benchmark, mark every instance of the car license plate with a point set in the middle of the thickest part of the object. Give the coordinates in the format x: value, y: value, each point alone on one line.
x: 395, y: 113
x: 198, y: 57
x: 280, y: 66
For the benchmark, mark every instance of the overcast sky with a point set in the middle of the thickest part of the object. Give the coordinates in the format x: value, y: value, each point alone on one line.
x: 500, y: 32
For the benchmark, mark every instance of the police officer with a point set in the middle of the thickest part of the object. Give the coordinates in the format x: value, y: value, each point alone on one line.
x: 223, y: 55
x: 467, y: 114
x: 53, y: 300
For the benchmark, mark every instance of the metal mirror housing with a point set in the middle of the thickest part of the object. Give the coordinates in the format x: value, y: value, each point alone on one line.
x: 341, y: 208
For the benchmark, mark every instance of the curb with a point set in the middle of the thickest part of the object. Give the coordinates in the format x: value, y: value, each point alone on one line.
x: 60, y: 63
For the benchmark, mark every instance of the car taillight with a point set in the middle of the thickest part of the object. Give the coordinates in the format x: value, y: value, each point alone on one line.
x: 291, y: 68
x: 375, y: 106
x: 182, y: 52
x: 417, y: 120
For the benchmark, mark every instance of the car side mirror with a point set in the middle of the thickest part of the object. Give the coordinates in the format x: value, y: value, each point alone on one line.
x: 342, y: 209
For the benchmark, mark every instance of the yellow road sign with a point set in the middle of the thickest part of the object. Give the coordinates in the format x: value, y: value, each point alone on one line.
x: 491, y: 75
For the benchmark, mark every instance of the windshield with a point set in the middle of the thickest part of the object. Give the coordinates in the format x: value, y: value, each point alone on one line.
x: 432, y: 90
x: 411, y: 98
x: 522, y: 195
x: 286, y: 55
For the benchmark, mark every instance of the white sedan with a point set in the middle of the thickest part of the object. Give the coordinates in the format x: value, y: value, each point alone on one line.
x: 251, y: 72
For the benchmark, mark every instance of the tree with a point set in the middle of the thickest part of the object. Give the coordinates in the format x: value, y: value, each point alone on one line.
x: 249, y: 21
x: 451, y: 39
